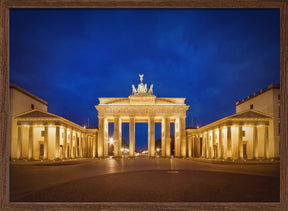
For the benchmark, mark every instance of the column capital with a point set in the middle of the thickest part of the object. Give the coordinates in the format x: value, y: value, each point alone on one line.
x: 151, y: 118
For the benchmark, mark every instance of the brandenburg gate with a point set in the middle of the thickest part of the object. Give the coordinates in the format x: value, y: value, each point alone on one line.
x: 142, y: 106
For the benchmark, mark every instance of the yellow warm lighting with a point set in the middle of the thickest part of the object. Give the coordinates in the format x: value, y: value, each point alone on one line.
x: 111, y: 141
x: 158, y: 149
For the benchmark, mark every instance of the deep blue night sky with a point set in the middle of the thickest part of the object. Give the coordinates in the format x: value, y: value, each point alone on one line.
x: 213, y: 58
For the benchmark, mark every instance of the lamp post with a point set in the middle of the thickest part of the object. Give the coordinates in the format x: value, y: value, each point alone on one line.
x: 158, y: 151
x: 111, y: 141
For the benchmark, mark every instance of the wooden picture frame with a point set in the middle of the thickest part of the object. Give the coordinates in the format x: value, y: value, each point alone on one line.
x: 5, y: 5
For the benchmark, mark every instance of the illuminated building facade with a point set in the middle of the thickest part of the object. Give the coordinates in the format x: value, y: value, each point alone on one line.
x: 37, y: 134
x: 251, y: 133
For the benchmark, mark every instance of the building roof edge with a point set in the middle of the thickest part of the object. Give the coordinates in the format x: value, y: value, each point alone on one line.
x: 27, y: 93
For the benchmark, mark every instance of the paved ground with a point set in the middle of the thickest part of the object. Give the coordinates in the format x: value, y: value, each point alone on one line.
x: 143, y: 179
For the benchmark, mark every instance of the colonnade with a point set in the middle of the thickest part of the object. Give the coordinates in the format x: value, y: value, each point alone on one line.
x: 180, y: 135
x: 223, y: 143
x: 67, y: 142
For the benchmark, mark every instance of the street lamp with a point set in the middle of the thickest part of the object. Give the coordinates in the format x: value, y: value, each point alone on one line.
x: 158, y: 151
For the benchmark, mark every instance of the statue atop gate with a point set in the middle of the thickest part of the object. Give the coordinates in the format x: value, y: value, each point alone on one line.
x: 142, y: 88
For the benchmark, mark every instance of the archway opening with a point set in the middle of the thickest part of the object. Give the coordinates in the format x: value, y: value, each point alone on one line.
x: 158, y: 138
x: 125, y: 139
x: 141, y: 138
x: 172, y: 138
x: 110, y: 139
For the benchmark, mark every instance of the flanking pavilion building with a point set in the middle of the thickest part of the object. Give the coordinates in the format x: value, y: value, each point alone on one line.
x: 37, y: 134
x: 251, y: 133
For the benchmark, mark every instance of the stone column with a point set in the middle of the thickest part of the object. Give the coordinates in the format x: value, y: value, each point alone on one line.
x: 76, y: 145
x: 57, y: 142
x: 203, y: 143
x: 183, y: 136
x: 94, y: 146
x: 86, y: 150
x: 221, y: 146
x: 151, y: 137
x: 80, y: 145
x: 163, y: 138
x: 120, y: 137
x: 84, y: 146
x: 64, y: 153
x: 90, y: 145
x: 266, y: 142
x: 208, y: 145
x: 189, y: 145
x: 197, y: 146
x: 71, y: 144
x: 30, y: 143
x: 45, y: 142
x: 177, y: 138
x: 167, y: 137
x: 19, y: 142
x: 132, y: 136
x: 90, y: 141
x: 213, y: 143
x: 204, y: 146
x: 116, y: 136
x: 255, y: 142
x: 106, y: 137
x: 87, y: 146
x: 240, y: 143
x: 229, y: 144
x: 100, y: 147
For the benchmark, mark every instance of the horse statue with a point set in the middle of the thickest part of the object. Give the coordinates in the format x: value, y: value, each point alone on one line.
x: 150, y: 92
x: 145, y: 88
x: 134, y: 91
